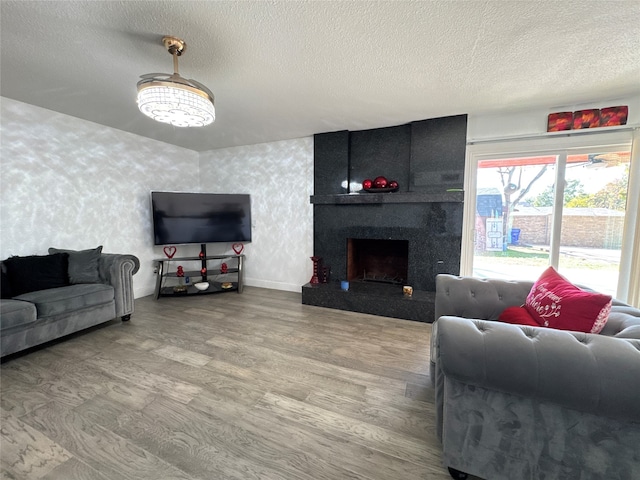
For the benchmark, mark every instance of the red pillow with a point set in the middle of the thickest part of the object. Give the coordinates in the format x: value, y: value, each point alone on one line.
x: 556, y: 303
x: 518, y: 316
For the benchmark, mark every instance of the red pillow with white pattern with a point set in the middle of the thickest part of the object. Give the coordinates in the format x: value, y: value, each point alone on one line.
x: 517, y: 316
x: 555, y: 302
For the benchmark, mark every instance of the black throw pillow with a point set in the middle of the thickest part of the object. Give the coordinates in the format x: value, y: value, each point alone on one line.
x: 5, y: 286
x: 28, y: 274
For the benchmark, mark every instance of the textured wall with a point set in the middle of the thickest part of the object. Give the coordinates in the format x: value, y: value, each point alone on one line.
x: 69, y: 183
x: 279, y: 177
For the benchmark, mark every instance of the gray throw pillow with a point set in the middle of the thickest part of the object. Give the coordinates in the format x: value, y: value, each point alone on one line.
x: 83, y: 264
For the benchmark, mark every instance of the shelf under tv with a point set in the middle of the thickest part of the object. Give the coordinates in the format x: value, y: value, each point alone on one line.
x: 219, y: 282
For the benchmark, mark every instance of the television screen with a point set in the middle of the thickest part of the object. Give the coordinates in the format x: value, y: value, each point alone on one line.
x: 181, y: 217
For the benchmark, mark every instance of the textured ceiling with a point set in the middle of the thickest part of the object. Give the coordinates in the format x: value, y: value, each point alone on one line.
x: 282, y: 70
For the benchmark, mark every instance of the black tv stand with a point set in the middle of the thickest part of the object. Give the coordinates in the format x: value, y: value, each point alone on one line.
x: 219, y: 282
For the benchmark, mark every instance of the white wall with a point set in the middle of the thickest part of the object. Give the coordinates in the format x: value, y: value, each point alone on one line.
x: 534, y: 121
x: 69, y: 183
x: 279, y: 177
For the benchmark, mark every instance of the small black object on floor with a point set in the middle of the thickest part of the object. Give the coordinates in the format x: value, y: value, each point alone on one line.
x: 457, y: 474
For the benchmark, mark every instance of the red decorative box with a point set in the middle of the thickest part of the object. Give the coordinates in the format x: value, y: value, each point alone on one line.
x: 612, y: 116
x: 586, y: 118
x: 559, y: 121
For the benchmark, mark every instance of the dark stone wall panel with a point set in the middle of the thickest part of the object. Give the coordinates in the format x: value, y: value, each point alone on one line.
x: 438, y: 147
x: 381, y: 152
x: 330, y: 162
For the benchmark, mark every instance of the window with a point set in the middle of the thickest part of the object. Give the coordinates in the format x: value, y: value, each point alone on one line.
x: 555, y: 200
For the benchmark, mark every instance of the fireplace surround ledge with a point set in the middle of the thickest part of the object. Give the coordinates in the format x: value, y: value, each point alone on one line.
x: 391, y: 197
x: 372, y: 298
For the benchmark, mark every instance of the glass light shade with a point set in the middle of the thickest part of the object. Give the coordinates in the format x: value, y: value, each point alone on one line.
x: 177, y: 104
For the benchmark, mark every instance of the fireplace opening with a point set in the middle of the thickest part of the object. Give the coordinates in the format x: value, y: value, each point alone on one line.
x: 381, y: 261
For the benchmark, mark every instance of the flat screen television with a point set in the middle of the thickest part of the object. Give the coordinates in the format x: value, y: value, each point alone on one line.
x: 183, y: 217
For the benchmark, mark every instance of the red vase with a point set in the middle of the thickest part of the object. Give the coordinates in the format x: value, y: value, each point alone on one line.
x: 314, y: 278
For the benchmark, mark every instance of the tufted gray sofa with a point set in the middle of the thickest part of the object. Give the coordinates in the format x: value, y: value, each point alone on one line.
x: 519, y: 402
x: 37, y: 317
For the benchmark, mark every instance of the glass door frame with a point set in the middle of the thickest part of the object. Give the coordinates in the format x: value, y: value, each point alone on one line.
x: 562, y: 146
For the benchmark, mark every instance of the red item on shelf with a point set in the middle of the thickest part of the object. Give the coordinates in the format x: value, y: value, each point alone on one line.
x: 586, y: 118
x: 612, y: 116
x: 380, y: 182
x: 559, y: 121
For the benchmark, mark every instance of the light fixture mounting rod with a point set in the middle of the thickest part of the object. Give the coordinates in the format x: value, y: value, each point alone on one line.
x: 174, y: 45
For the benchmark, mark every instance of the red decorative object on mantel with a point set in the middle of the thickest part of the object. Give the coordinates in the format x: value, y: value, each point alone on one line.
x: 201, y: 254
x: 238, y: 248
x: 180, y: 271
x: 380, y: 185
x: 380, y: 182
x: 224, y: 268
x: 203, y: 271
x: 170, y: 251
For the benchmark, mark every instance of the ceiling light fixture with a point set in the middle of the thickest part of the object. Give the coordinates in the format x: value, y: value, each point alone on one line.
x: 173, y: 99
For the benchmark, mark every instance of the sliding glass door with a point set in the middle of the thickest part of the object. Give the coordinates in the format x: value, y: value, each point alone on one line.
x: 561, y: 201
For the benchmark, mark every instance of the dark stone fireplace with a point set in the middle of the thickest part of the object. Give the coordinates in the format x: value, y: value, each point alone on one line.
x: 382, y: 241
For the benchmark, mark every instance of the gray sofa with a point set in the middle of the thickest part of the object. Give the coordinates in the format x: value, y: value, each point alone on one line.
x: 520, y: 402
x: 36, y: 317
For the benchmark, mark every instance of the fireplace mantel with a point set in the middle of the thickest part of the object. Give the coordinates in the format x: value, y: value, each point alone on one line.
x: 397, y: 197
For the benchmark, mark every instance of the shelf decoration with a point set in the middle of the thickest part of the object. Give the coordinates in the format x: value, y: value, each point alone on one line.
x: 238, y: 248
x: 586, y: 118
x: 224, y: 268
x: 379, y: 185
x: 315, y: 280
x: 613, y: 116
x: 181, y: 287
x: 170, y: 251
x: 559, y: 121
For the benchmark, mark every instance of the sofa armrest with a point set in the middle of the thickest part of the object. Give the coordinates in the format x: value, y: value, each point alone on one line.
x: 586, y: 372
x: 117, y: 270
x: 471, y: 297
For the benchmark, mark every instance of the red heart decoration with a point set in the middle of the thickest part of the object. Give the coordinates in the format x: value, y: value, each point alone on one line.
x: 170, y: 251
x: 238, y: 248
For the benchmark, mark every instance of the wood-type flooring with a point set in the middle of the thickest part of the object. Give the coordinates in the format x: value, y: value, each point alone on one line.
x: 225, y: 386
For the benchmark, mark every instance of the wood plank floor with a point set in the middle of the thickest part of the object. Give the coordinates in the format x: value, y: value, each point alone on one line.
x: 251, y: 386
